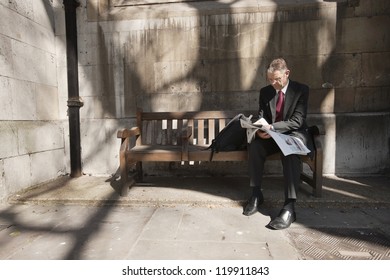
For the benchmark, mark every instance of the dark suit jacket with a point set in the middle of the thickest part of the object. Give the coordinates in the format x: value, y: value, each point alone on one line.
x: 294, y: 112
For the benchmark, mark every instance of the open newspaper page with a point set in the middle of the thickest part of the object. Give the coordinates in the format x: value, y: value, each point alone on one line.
x: 287, y: 144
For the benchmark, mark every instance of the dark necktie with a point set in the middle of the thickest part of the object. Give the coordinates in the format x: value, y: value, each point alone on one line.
x: 279, y: 107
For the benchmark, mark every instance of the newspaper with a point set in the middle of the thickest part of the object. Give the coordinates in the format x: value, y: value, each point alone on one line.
x: 287, y: 144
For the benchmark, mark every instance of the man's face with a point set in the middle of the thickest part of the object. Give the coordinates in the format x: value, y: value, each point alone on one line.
x: 278, y: 79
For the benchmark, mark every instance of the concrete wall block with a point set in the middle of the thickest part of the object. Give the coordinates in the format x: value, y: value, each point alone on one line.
x: 186, y: 101
x: 63, y: 108
x: 23, y: 100
x: 375, y: 69
x: 139, y: 80
x: 141, y: 45
x: 103, y: 91
x: 89, y: 48
x: 87, y: 111
x: 60, y: 43
x: 36, y: 137
x: 5, y: 99
x: 253, y: 39
x: 3, y: 187
x: 253, y: 75
x: 92, y: 79
x: 322, y: 101
x: 222, y: 42
x: 62, y: 83
x: 362, y: 99
x: 6, y: 62
x: 376, y: 38
x: 47, y: 102
x: 239, y: 101
x: 59, y: 16
x: 44, y: 13
x: 42, y: 65
x: 174, y: 44
x: 132, y: 48
x: 181, y: 76
x: 345, y: 100
x: 39, y: 36
x: 371, y: 8
x: 361, y: 143
x: 22, y: 7
x: 173, y: 102
x: 8, y: 139
x: 326, y: 124
x: 47, y: 165
x: 100, y: 145
x: 10, y: 23
x: 111, y: 50
x: 106, y: 107
x: 98, y: 107
x: 65, y: 131
x: 227, y: 75
x: 342, y: 70
x: 17, y: 173
x: 23, y: 28
x: 92, y: 9
x: 301, y: 38
x: 101, y: 80
x: 372, y: 99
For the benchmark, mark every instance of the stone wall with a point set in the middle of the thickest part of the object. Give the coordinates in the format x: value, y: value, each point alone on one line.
x: 188, y: 55
x: 31, y: 132
x: 210, y: 55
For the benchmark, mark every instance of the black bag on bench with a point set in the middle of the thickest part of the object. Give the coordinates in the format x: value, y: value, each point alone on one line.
x: 231, y: 138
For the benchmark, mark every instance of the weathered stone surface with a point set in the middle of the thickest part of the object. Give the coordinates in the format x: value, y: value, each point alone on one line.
x: 362, y: 141
x: 364, y: 34
x: 8, y: 139
x: 376, y: 69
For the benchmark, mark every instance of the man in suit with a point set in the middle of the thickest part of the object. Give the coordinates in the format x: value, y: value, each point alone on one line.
x: 283, y: 104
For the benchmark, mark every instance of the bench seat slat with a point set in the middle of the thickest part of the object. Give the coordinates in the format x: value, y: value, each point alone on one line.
x: 155, y: 153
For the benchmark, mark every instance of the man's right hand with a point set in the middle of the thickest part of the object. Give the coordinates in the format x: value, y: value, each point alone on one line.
x: 263, y: 135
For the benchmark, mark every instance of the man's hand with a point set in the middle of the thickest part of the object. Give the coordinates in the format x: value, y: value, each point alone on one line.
x: 265, y: 135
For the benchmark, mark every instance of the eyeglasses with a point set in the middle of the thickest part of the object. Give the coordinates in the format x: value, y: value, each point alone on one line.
x: 277, y: 77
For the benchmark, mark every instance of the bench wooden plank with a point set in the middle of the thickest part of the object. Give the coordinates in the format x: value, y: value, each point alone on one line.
x: 211, y: 127
x: 169, y: 132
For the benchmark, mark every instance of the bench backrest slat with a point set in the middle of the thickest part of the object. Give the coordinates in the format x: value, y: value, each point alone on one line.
x: 211, y: 125
x: 164, y: 128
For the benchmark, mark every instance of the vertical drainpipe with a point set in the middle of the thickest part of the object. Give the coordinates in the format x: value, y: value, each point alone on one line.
x: 74, y: 100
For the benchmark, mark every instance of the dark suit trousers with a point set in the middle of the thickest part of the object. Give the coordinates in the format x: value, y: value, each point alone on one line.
x: 258, y: 150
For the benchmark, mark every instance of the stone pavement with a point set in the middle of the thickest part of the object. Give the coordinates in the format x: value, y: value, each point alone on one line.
x: 181, y: 218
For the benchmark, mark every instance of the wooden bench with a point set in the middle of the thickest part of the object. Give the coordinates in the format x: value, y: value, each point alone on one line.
x: 182, y: 137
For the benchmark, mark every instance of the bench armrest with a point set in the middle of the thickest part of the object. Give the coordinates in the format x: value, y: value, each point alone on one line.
x: 125, y: 133
x: 317, y: 130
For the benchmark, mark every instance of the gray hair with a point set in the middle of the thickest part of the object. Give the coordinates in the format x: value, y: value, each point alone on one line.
x: 278, y: 64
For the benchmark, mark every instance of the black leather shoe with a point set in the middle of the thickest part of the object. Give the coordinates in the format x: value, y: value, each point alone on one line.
x: 252, y: 206
x: 283, y: 220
